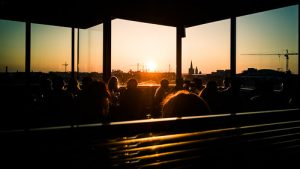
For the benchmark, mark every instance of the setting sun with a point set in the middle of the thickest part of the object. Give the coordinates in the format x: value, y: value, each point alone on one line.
x: 151, y: 66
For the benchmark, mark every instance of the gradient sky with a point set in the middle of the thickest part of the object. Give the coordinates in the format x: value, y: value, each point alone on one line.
x: 48, y: 52
x: 208, y: 45
x: 268, y: 32
x: 12, y: 45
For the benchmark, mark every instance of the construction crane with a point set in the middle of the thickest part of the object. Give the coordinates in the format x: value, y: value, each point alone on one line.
x: 286, y: 55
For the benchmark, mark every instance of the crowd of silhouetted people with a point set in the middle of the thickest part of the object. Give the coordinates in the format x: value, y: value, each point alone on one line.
x: 60, y: 102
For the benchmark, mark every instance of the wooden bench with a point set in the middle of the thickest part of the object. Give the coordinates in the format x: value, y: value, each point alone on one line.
x: 245, y: 140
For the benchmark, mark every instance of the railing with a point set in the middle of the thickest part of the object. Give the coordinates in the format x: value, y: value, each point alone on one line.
x: 244, y: 140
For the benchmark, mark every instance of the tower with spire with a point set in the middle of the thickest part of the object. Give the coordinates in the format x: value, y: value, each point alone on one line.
x: 191, y: 69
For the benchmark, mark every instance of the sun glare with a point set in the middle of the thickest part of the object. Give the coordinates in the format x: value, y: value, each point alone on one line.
x: 151, y: 66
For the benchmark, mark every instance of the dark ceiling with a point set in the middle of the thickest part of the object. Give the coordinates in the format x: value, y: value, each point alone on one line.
x: 87, y: 13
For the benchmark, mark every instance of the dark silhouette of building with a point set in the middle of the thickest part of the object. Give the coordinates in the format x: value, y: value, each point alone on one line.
x: 191, y: 69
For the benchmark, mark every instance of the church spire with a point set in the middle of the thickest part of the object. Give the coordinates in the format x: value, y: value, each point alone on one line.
x: 191, y: 69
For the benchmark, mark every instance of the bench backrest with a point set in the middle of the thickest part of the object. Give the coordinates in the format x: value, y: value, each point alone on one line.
x: 244, y: 140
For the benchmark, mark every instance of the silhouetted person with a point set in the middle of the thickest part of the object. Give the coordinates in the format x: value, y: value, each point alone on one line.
x: 211, y: 95
x: 184, y: 103
x: 179, y: 84
x: 131, y: 102
x: 265, y: 98
x: 45, y: 90
x: 86, y: 82
x: 294, y: 100
x: 289, y: 91
x: 160, y: 93
x: 113, y: 83
x: 113, y: 87
x: 39, y: 110
x: 94, y: 103
x: 198, y: 86
x: 232, y: 97
x: 226, y: 83
x: 187, y: 85
x: 83, y: 95
x: 73, y: 87
x: 60, y: 103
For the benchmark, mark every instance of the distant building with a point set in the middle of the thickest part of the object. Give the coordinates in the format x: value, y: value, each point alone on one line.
x: 250, y: 72
x: 224, y: 73
x: 191, y: 69
x: 262, y: 72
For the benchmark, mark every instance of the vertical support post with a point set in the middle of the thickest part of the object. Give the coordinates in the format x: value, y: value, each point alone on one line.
x: 106, y: 49
x: 233, y: 47
x: 77, y: 53
x: 27, y: 50
x: 73, y: 53
x: 233, y: 50
x: 179, y: 34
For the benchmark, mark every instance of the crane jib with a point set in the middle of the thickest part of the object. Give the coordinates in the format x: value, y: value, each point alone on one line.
x: 286, y: 55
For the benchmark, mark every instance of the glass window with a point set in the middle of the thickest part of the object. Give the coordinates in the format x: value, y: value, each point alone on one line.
x: 267, y: 58
x: 13, y: 98
x: 206, y: 52
x: 144, y: 51
x: 91, y: 52
x: 264, y: 38
x: 50, y: 49
x: 12, y: 46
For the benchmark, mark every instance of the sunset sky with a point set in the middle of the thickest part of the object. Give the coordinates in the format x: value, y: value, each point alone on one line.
x: 153, y: 47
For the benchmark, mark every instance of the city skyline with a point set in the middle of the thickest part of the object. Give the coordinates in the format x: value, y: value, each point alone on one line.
x: 207, y: 45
